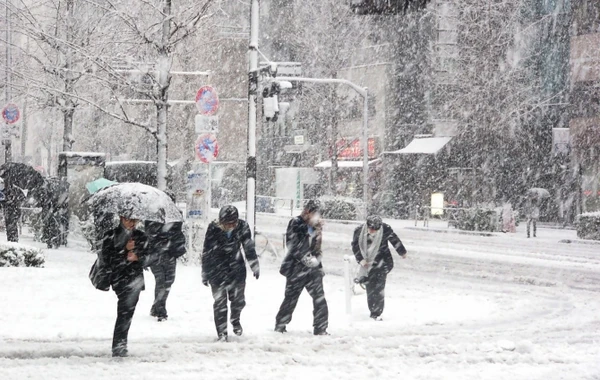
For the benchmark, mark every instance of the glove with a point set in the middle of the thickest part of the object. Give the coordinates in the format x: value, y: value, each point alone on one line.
x: 256, y: 273
x: 310, y: 261
x: 205, y: 282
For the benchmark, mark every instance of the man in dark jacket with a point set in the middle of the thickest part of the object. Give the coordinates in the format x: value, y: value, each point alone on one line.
x: 370, y: 247
x: 14, y: 196
x: 124, y: 252
x: 303, y: 269
x: 168, y: 242
x: 224, y: 267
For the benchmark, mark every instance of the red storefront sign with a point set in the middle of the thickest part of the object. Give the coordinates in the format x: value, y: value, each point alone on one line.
x: 352, y: 149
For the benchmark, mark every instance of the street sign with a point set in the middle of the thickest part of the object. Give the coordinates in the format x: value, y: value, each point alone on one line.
x: 207, y: 101
x: 206, y: 124
x: 11, y: 113
x: 197, y: 189
x: 206, y: 148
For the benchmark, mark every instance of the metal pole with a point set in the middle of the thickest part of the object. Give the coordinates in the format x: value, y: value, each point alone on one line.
x: 348, y: 283
x: 365, y: 146
x: 252, y: 98
x: 7, y: 140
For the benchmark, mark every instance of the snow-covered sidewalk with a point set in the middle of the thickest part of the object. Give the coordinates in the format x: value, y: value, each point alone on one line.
x: 460, y: 307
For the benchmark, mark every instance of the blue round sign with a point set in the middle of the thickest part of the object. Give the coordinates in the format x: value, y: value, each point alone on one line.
x: 11, y: 113
x: 207, y: 100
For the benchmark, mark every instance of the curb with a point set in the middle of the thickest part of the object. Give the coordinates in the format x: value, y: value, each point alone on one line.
x: 456, y: 232
x: 577, y: 241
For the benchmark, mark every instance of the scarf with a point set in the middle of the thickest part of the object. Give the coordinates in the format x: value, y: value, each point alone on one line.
x: 369, y: 251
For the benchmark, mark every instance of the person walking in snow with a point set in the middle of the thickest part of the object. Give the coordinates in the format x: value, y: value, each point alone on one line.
x: 370, y: 247
x: 303, y: 269
x: 224, y: 267
x: 168, y: 242
x: 124, y: 252
x: 533, y: 214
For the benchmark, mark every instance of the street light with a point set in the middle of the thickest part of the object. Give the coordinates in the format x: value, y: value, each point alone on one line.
x: 362, y: 91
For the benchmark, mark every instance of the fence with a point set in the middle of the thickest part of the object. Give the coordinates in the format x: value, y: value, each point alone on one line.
x: 450, y: 214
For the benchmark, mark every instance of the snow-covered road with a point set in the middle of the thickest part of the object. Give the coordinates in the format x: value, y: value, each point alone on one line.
x: 459, y: 307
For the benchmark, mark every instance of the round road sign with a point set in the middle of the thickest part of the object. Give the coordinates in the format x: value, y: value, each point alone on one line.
x: 11, y: 113
x: 207, y: 100
x: 206, y: 148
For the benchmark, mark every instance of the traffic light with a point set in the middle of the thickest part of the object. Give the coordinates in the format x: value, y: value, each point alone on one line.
x: 271, y: 99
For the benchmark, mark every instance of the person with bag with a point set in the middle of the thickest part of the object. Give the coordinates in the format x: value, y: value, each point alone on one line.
x: 168, y: 242
x: 224, y: 267
x: 370, y: 247
x: 303, y: 269
x: 123, y: 258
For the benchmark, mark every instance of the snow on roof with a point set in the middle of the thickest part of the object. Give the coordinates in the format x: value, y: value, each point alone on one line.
x: 344, y: 164
x: 82, y: 154
x: 130, y: 162
x: 429, y: 145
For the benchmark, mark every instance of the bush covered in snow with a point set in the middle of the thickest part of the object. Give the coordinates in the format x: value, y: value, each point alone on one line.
x: 477, y: 220
x: 339, y: 208
x: 588, y: 226
x: 19, y: 255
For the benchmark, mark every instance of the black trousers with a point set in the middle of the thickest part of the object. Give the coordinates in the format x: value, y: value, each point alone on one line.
x: 529, y: 222
x: 128, y: 295
x: 11, y: 219
x: 295, y: 284
x: 234, y: 291
x: 376, y: 292
x: 164, y: 275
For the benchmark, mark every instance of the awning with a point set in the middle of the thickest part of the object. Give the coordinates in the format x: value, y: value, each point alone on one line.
x: 345, y: 164
x: 428, y: 145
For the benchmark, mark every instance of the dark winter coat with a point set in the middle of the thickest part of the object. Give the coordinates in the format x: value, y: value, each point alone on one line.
x: 297, y: 240
x: 222, y: 258
x: 167, y: 240
x: 114, y: 255
x: 383, y: 259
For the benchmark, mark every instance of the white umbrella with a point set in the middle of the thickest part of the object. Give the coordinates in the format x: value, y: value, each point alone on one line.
x: 137, y: 201
x: 538, y: 192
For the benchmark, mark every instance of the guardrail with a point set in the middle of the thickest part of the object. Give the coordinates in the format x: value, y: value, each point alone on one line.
x: 449, y: 215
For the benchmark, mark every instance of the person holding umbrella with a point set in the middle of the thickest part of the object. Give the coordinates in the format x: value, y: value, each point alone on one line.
x: 124, y: 252
x: 224, y: 267
x: 125, y: 249
x: 532, y: 207
x: 19, y: 179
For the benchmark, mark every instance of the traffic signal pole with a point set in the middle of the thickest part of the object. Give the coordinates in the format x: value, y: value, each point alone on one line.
x: 252, y: 117
x: 6, y: 138
x: 362, y: 91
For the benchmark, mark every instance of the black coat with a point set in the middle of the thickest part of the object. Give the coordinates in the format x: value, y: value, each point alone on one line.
x: 166, y: 240
x: 222, y: 258
x: 383, y: 259
x: 114, y: 255
x: 297, y: 240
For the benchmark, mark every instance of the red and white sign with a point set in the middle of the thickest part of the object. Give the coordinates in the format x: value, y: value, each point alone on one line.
x: 206, y: 148
x: 352, y: 149
x: 11, y: 113
x: 207, y: 101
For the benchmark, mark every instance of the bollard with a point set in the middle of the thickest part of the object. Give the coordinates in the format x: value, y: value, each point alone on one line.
x: 348, y: 281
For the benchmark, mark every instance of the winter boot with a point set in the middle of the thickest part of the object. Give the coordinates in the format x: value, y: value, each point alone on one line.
x: 321, y: 332
x: 222, y: 337
x: 280, y: 329
x: 237, y: 329
x: 120, y: 351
